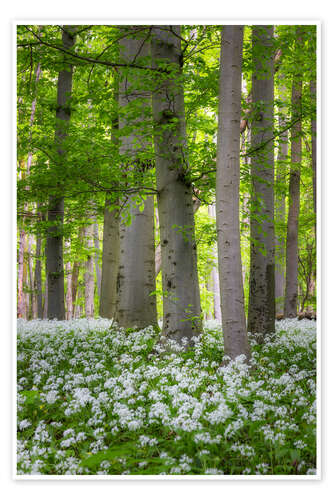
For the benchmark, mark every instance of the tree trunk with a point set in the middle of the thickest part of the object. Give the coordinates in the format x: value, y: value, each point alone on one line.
x: 110, y: 262
x: 280, y: 206
x: 291, y: 294
x: 38, y: 278
x: 227, y: 194
x: 54, y: 241
x: 136, y: 301
x: 68, y: 298
x: 110, y: 251
x: 215, y: 275
x: 158, y: 251
x: 89, y: 281
x: 313, y: 91
x: 96, y: 258
x: 261, y: 311
x: 181, y: 299
x: 20, y: 293
x: 76, y: 271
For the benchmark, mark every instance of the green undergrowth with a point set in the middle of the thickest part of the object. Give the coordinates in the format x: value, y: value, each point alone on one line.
x: 96, y: 399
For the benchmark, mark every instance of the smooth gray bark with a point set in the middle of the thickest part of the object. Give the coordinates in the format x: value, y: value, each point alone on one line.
x: 136, y: 301
x: 215, y: 275
x: 291, y: 293
x: 96, y: 258
x: 227, y: 194
x: 313, y: 91
x: 181, y: 299
x: 69, y: 274
x: 261, y: 310
x: 38, y: 278
x: 54, y: 241
x: 110, y: 261
x: 89, y: 279
x: 20, y: 293
x: 280, y: 205
x: 158, y: 250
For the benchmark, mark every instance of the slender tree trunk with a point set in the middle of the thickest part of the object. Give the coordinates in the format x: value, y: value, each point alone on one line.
x: 76, y: 271
x: 54, y: 241
x: 20, y: 294
x: 215, y: 275
x: 46, y: 295
x: 280, y: 207
x: 110, y: 262
x: 69, y: 272
x: 74, y: 284
x: 136, y: 301
x: 96, y: 258
x: 181, y: 299
x: 227, y: 194
x: 291, y: 294
x: 38, y: 278
x: 261, y: 311
x: 110, y: 251
x: 89, y: 281
x: 30, y: 281
x: 313, y: 91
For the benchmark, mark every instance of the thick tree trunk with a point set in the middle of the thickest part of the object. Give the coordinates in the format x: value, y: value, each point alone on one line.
x: 89, y: 281
x: 136, y: 301
x: 280, y: 207
x: 54, y: 241
x: 181, y: 299
x: 158, y: 250
x: 136, y: 280
x: 291, y: 294
x: 261, y: 311
x: 227, y: 194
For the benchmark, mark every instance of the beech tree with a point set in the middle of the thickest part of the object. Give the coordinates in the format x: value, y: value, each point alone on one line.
x: 291, y: 293
x: 227, y: 194
x: 137, y: 250
x: 181, y: 299
x: 261, y: 313
x: 54, y: 241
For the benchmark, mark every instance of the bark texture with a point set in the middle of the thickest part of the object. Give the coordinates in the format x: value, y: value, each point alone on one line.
x: 96, y: 258
x: 181, y: 299
x: 136, y: 301
x: 227, y: 194
x: 313, y: 91
x: 261, y: 310
x: 291, y: 294
x: 215, y: 282
x: 54, y: 241
x: 280, y: 205
x: 110, y: 262
x: 89, y: 279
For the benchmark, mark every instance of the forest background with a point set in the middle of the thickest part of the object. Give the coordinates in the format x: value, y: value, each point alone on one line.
x: 94, y: 182
x: 307, y: 9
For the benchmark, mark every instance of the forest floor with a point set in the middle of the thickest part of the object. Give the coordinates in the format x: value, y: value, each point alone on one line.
x: 96, y: 399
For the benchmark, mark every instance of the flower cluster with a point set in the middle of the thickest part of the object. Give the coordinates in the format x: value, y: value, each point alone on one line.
x: 94, y: 398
